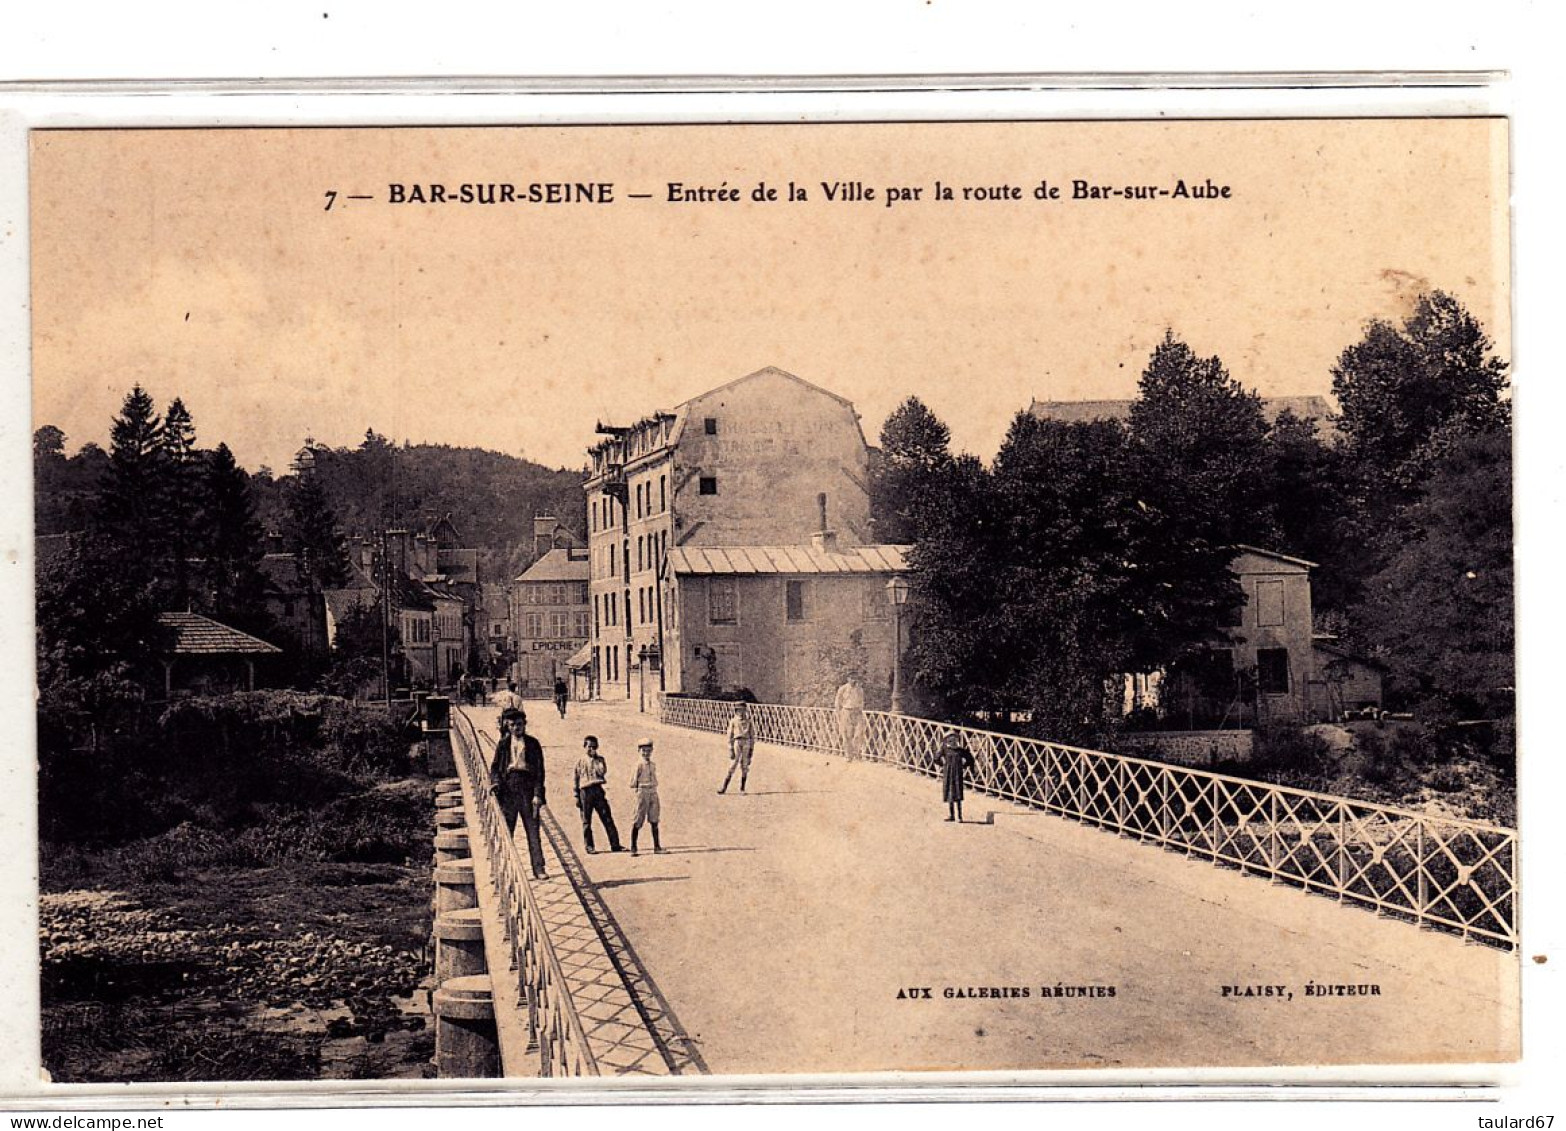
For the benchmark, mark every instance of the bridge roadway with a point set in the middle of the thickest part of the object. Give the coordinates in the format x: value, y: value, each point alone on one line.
x: 784, y: 927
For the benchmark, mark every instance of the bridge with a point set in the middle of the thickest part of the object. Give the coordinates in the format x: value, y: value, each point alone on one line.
x: 1091, y: 911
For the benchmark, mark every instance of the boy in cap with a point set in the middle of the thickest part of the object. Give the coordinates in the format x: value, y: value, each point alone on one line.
x: 591, y: 772
x: 645, y: 783
x: 742, y: 743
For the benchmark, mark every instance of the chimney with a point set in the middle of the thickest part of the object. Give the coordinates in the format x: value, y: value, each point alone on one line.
x: 823, y: 541
x: 544, y: 534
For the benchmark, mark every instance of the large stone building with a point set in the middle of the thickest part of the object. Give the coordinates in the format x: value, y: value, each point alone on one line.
x: 788, y: 624
x: 550, y: 618
x: 745, y: 464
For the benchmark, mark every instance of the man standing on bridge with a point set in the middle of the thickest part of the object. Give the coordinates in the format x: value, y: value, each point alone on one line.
x: 516, y: 778
x: 590, y: 774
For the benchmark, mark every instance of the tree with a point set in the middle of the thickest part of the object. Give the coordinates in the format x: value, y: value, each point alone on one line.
x: 180, y: 488
x: 312, y: 534
x: 129, y: 497
x: 234, y: 544
x: 954, y: 563
x: 1201, y: 488
x: 49, y: 465
x: 1070, y: 588
x: 1309, y: 512
x: 1440, y: 610
x: 97, y: 639
x: 1398, y: 387
x: 915, y: 448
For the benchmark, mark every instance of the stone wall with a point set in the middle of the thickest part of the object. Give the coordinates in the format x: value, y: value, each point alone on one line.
x: 1197, y: 748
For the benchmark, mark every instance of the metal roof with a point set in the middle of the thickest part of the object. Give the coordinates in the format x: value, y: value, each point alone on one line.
x: 196, y: 635
x: 696, y: 560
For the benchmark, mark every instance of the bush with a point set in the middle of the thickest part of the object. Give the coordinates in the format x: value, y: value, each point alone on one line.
x: 1290, y: 751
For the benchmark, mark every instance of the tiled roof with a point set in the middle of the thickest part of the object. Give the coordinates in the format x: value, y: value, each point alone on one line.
x: 196, y: 635
x: 690, y: 560
x: 557, y: 565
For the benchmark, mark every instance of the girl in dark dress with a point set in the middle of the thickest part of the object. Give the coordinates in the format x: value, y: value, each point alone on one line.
x: 955, y: 764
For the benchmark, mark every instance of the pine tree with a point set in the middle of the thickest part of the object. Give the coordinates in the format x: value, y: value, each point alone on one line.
x: 129, y: 499
x: 180, y: 489
x: 234, y: 543
x: 313, y: 535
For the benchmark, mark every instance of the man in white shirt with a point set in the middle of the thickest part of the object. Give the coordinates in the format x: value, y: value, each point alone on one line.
x: 507, y: 701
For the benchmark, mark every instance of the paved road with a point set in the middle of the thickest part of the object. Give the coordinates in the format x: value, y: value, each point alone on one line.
x: 787, y: 927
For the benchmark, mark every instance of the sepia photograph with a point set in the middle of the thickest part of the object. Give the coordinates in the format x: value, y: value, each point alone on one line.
x: 774, y: 600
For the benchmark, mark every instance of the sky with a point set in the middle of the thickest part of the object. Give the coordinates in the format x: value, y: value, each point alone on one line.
x: 205, y: 264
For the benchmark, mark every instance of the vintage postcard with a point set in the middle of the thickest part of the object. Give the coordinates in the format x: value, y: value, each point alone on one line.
x: 681, y: 602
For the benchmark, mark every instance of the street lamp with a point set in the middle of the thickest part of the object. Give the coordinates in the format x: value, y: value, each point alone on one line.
x: 897, y: 594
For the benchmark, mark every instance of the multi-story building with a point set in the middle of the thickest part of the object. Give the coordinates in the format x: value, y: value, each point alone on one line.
x: 551, y: 618
x: 745, y: 464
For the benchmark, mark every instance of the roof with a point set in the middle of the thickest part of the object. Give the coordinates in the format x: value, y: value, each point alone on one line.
x: 557, y: 565
x: 1321, y: 643
x: 1315, y: 408
x: 196, y: 635
x: 767, y: 371
x: 1243, y: 549
x: 696, y: 560
x: 581, y: 658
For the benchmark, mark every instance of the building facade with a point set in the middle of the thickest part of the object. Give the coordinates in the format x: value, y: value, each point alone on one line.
x: 551, y: 618
x: 754, y: 462
x: 788, y: 624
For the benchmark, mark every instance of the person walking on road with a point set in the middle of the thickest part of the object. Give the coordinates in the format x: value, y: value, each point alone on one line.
x: 507, y: 701
x: 955, y: 761
x: 590, y: 774
x: 849, y: 703
x: 742, y: 743
x: 516, y: 778
x: 561, y: 695
x: 645, y: 783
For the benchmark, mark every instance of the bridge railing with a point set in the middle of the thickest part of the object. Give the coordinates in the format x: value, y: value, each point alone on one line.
x: 1455, y: 875
x: 554, y: 1024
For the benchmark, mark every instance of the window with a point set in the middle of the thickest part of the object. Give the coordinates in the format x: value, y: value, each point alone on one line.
x: 710, y: 425
x: 641, y: 606
x: 639, y: 565
x: 794, y: 600
x: 663, y: 501
x: 628, y: 612
x: 708, y: 485
x: 1269, y: 604
x: 559, y: 625
x: 611, y: 559
x: 497, y: 629
x: 1272, y: 671
x: 722, y: 601
x: 579, y: 624
x: 534, y: 626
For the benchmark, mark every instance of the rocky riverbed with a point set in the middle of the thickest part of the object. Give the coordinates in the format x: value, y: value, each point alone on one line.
x: 300, y: 971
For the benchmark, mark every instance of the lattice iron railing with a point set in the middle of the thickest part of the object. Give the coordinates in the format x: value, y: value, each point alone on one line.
x: 1456, y: 875
x: 553, y: 1022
